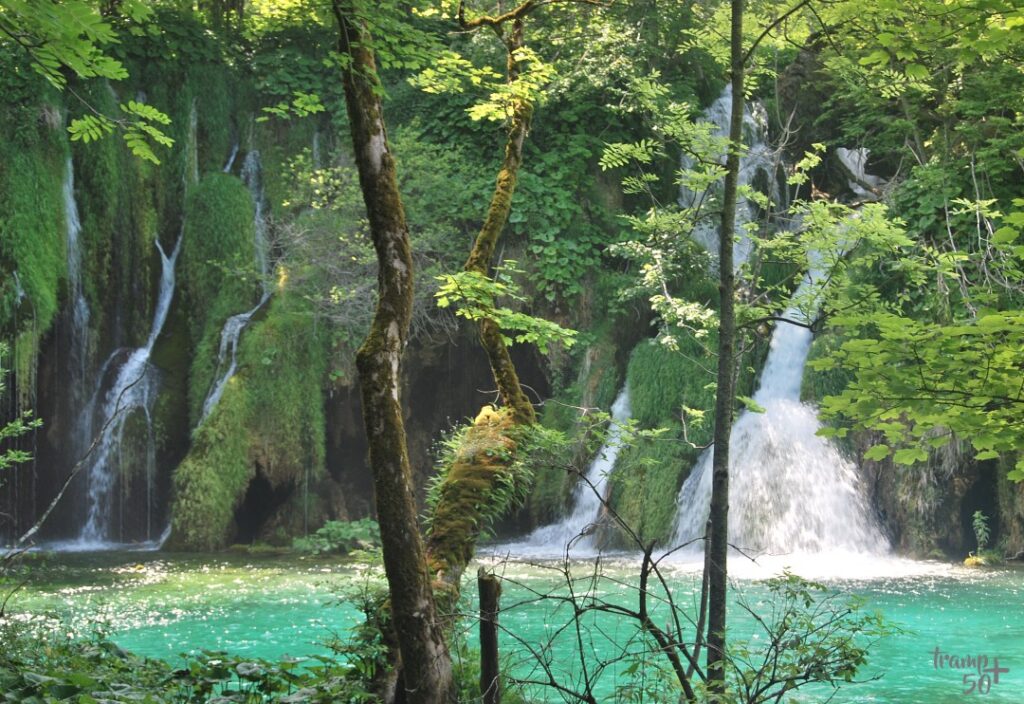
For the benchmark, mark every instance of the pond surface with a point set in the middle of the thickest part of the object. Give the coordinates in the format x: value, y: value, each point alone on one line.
x: 270, y: 606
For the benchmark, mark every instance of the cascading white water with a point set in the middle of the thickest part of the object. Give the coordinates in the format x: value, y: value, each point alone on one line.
x: 790, y: 491
x: 228, y: 350
x: 316, y: 154
x: 227, y: 355
x: 758, y: 161
x: 866, y: 186
x: 79, y: 306
x: 252, y: 176
x: 588, y: 497
x: 134, y: 391
x: 230, y: 163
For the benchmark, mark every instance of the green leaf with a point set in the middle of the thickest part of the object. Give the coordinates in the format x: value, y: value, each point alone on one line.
x: 750, y: 404
x: 917, y: 72
x: 878, y: 452
x: 1005, y: 235
x: 909, y: 455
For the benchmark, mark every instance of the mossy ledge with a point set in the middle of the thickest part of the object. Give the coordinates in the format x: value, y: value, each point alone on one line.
x: 270, y: 421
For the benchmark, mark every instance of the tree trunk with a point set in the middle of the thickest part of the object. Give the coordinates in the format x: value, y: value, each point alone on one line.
x: 426, y: 674
x: 485, y: 458
x: 489, y: 587
x: 487, y: 239
x: 718, y: 538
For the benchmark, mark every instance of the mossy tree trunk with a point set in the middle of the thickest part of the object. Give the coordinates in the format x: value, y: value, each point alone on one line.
x: 426, y: 673
x: 483, y: 463
x: 718, y: 520
x: 504, y: 371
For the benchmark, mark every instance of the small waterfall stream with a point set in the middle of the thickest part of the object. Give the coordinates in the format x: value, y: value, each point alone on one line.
x: 758, y: 167
x: 230, y: 163
x: 79, y: 306
x: 227, y: 353
x: 790, y: 491
x: 578, y: 527
x: 133, y: 391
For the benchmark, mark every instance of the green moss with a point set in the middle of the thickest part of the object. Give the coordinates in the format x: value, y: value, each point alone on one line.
x: 119, y: 223
x: 598, y: 380
x: 650, y: 472
x: 214, y: 88
x: 279, y: 141
x: 662, y: 381
x: 775, y: 275
x: 270, y: 419
x: 211, y: 482
x: 1010, y: 496
x: 473, y: 490
x: 217, y: 271
x: 32, y: 225
x: 284, y: 359
x: 819, y: 383
x: 646, y: 482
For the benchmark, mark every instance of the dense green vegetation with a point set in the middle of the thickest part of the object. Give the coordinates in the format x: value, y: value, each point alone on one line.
x: 228, y: 124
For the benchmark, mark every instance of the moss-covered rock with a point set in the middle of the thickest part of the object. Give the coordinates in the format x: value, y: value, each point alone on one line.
x: 269, y: 422
x: 33, y: 253
x: 667, y: 386
x: 217, y: 272
x: 598, y: 379
x: 211, y: 481
x: 646, y: 484
x: 1011, y: 506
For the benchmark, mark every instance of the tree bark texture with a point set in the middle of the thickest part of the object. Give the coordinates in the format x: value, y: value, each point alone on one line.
x: 718, y: 537
x: 426, y: 674
x: 489, y: 587
x: 480, y: 257
x: 486, y: 455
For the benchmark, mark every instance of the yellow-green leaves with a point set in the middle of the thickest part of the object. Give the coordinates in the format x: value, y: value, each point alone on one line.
x: 475, y: 297
x: 452, y: 73
x: 70, y: 34
x: 913, y: 380
x: 139, y: 127
x: 302, y: 104
x: 619, y: 154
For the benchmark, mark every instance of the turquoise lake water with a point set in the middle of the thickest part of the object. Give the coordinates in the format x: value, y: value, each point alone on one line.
x: 162, y: 605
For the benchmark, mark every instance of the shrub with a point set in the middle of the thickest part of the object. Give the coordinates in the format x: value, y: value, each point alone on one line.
x: 341, y: 537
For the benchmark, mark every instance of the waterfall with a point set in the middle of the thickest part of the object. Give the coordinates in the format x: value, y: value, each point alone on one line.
x: 315, y: 154
x: 79, y: 308
x: 231, y: 159
x: 227, y: 354
x: 588, y: 497
x: 133, y: 391
x: 229, y: 336
x: 866, y: 186
x: 758, y: 161
x: 252, y: 176
x: 790, y: 491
